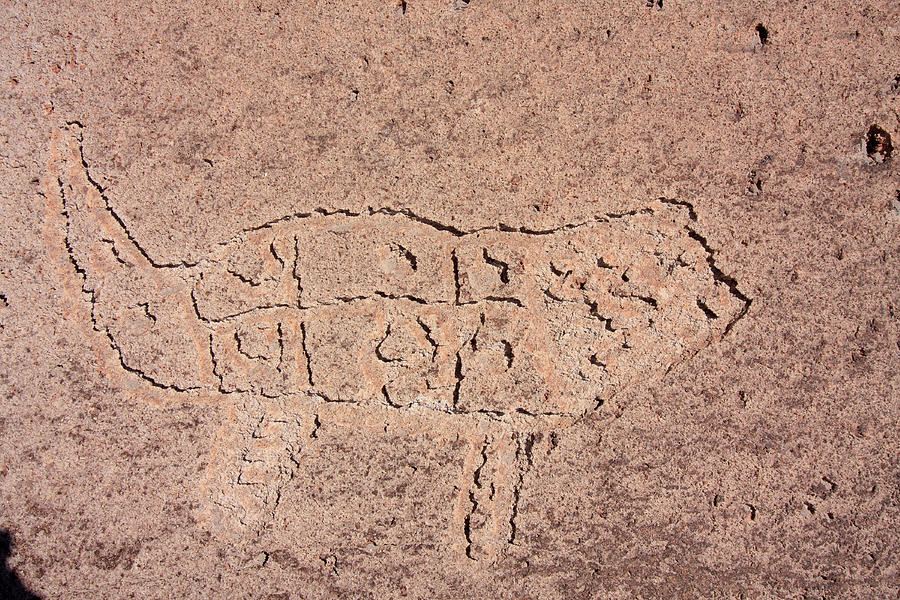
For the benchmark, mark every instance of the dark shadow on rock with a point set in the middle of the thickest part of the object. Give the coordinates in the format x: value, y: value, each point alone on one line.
x: 10, y: 586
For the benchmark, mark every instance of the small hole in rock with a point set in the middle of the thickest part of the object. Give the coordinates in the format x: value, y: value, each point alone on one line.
x: 878, y: 144
x: 763, y: 33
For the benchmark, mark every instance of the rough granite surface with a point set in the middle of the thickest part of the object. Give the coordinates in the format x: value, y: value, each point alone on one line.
x: 450, y: 299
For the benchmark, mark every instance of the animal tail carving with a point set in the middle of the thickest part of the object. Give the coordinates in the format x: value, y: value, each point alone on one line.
x: 143, y: 307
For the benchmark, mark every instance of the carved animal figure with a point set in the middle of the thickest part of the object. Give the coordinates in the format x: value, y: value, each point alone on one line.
x: 389, y: 307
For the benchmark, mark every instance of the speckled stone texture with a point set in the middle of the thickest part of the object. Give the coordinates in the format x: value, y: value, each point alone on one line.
x: 454, y: 299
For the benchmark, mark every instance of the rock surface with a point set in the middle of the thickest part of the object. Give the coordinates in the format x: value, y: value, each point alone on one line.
x: 450, y: 300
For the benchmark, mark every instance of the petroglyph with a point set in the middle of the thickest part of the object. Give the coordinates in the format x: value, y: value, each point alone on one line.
x: 387, y: 307
x: 267, y: 462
